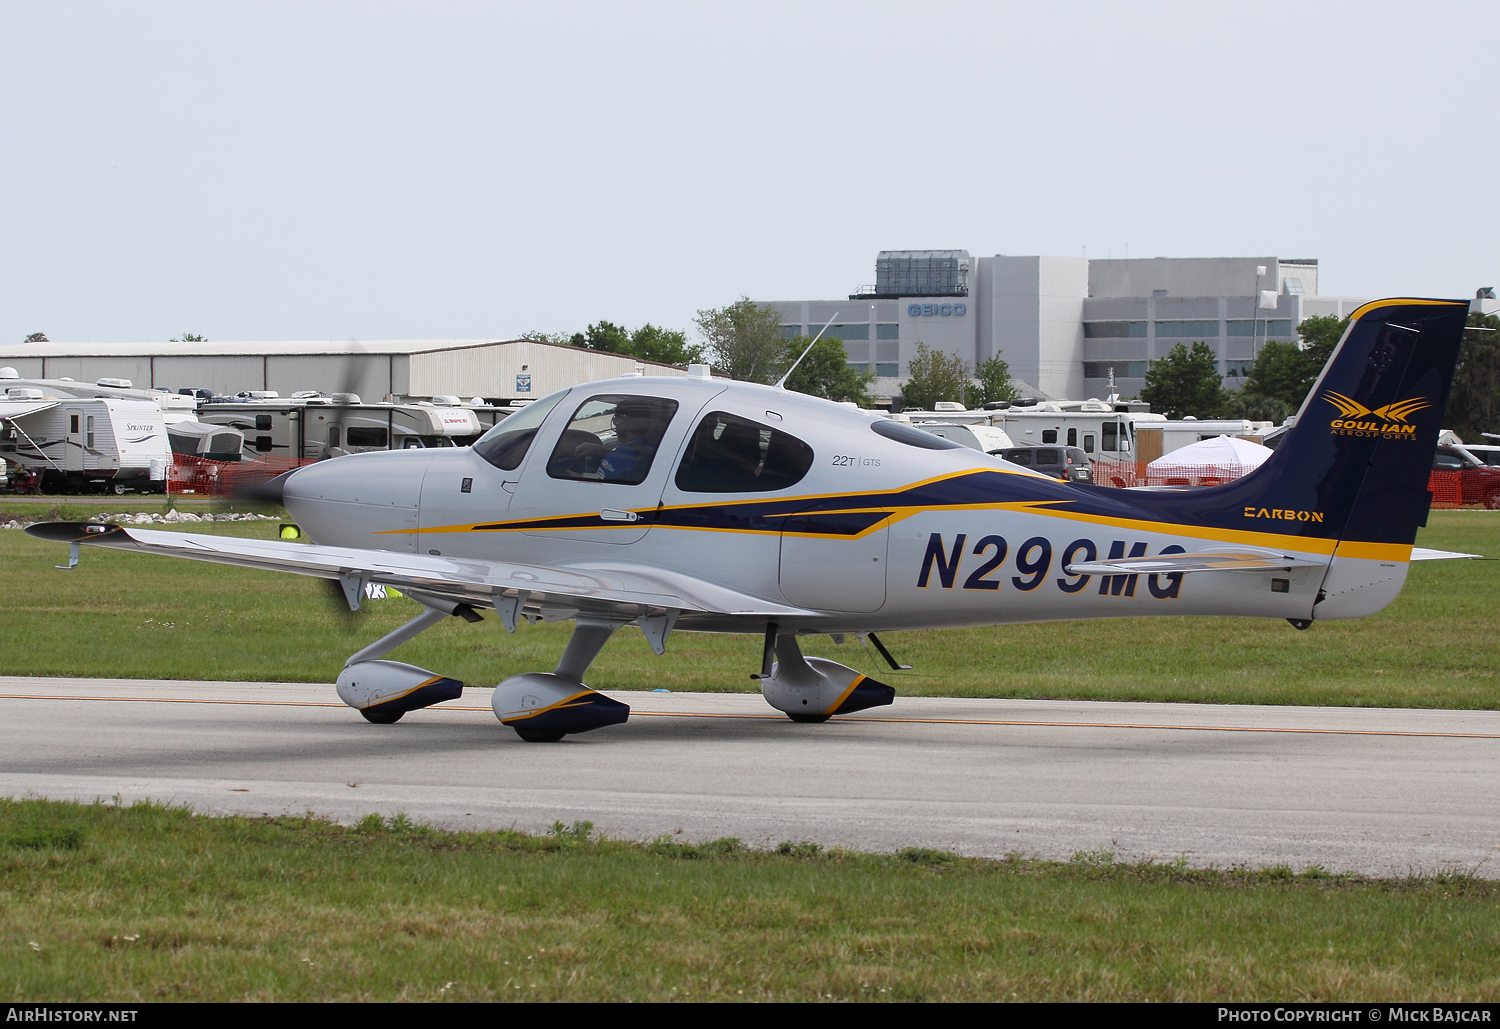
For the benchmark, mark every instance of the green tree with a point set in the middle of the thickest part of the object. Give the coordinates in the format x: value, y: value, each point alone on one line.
x: 1185, y: 382
x: 649, y: 343
x: 1243, y: 404
x: 825, y: 371
x: 935, y: 376
x: 1474, y: 403
x: 994, y: 382
x: 669, y: 346
x: 603, y: 335
x: 1320, y: 334
x: 36, y: 337
x: 744, y: 340
x: 1284, y: 372
x: 188, y: 337
x: 560, y: 338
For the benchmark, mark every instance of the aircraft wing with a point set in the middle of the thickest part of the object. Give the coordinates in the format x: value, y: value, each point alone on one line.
x: 1232, y: 561
x: 596, y: 588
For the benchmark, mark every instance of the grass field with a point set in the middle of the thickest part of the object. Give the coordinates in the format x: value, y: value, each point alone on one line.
x: 151, y: 903
x: 129, y: 615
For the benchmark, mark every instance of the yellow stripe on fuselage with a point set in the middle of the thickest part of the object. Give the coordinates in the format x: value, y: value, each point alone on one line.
x: 1049, y: 508
x: 1374, y: 551
x: 807, y: 498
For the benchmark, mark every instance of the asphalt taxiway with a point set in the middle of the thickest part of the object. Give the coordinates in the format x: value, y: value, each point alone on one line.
x: 1379, y: 791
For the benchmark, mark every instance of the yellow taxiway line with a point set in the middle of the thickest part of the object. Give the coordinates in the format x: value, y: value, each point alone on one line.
x: 1003, y: 722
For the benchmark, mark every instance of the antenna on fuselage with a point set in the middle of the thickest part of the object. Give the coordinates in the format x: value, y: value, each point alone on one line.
x: 781, y: 383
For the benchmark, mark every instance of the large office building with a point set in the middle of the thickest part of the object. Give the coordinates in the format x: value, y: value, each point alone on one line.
x: 1065, y: 325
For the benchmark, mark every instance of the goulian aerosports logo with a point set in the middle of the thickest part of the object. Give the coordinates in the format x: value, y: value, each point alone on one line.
x: 1388, y: 422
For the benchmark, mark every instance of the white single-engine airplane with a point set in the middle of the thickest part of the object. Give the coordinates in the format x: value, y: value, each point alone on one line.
x: 717, y: 506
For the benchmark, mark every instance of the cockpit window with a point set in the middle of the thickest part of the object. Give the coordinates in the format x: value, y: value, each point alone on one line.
x: 506, y: 444
x: 730, y: 454
x: 612, y: 438
x: 903, y: 433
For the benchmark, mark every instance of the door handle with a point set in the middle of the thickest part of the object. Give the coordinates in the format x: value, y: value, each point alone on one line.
x: 609, y: 514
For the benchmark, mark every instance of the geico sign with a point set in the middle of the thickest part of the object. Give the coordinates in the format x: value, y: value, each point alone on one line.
x: 929, y: 310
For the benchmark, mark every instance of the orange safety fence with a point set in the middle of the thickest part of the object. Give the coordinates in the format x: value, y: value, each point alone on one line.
x: 1449, y: 489
x: 1127, y: 475
x: 202, y: 477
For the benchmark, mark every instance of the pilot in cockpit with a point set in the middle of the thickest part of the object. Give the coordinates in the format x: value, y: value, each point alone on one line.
x: 637, y: 432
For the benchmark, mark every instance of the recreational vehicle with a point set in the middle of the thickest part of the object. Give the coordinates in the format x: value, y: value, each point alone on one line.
x: 976, y: 437
x: 74, y: 444
x: 1099, y: 428
x: 312, y: 428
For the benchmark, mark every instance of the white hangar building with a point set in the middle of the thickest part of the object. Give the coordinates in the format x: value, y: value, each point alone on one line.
x: 497, y: 370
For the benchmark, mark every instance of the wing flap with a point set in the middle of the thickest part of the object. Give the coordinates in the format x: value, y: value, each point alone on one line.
x: 473, y: 581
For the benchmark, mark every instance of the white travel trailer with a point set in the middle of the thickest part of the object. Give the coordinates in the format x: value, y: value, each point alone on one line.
x: 1178, y: 433
x: 185, y: 434
x: 985, y: 438
x: 74, y: 443
x: 312, y: 428
x: 1103, y: 431
x: 191, y: 438
x: 171, y: 404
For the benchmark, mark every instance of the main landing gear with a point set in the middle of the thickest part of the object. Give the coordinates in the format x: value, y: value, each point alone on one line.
x: 814, y: 689
x: 543, y: 707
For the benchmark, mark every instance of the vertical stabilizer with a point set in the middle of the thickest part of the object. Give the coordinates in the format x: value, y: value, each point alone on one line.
x: 1355, y: 467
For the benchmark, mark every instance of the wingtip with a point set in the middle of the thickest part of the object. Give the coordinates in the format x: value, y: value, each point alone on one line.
x: 75, y: 532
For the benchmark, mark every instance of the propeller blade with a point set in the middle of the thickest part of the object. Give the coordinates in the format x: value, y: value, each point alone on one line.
x: 247, y: 485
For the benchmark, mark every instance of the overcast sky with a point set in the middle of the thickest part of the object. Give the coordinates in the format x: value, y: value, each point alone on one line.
x: 376, y: 170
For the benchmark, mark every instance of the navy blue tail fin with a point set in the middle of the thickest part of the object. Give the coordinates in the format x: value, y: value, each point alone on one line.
x: 1356, y: 465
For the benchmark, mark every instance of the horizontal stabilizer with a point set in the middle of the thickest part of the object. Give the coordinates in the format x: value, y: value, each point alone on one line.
x: 1424, y: 554
x: 1230, y: 562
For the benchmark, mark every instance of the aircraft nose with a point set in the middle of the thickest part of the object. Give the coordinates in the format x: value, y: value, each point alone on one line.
x: 342, y: 501
x: 384, y: 478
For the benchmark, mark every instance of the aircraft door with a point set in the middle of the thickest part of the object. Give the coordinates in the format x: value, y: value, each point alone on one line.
x: 73, y: 450
x: 601, y: 478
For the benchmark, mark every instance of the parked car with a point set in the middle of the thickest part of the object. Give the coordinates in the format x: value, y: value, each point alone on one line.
x: 1462, y: 478
x: 1070, y: 464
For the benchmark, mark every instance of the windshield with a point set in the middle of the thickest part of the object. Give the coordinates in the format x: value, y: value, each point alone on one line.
x: 506, y: 444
